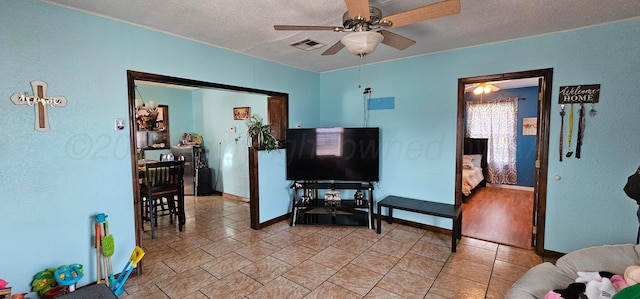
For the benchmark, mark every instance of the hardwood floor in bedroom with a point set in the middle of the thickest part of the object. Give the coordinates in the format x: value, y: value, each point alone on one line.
x: 499, y: 215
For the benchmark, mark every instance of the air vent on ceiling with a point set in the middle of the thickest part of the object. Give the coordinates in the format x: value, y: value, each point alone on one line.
x: 307, y: 45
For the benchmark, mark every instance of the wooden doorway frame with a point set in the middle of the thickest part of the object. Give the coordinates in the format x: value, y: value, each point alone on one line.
x: 282, y: 112
x: 542, y: 143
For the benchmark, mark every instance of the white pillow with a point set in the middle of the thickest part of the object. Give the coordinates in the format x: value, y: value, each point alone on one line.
x: 476, y: 160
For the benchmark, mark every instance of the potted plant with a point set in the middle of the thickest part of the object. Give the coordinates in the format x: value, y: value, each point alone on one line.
x: 260, y: 134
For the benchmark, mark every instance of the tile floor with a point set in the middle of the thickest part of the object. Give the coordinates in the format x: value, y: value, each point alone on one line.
x: 219, y: 256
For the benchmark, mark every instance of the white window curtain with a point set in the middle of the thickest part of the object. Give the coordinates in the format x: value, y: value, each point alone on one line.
x: 497, y: 121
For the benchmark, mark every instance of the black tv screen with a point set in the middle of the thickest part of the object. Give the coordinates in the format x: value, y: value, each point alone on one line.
x: 333, y: 154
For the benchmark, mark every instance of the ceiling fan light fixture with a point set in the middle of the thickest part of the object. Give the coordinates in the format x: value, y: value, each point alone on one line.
x: 362, y: 43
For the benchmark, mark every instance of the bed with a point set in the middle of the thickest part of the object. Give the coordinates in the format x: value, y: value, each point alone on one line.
x: 474, y: 165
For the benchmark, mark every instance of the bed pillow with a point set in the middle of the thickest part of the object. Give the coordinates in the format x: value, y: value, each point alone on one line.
x: 476, y: 160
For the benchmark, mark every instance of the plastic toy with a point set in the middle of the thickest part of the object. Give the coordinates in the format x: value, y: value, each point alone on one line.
x: 136, y: 256
x: 69, y: 276
x: 44, y: 281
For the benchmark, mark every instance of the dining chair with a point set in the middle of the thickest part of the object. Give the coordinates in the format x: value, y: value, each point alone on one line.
x: 162, y: 193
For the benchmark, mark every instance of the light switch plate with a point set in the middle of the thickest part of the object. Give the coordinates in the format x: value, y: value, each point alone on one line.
x: 119, y: 124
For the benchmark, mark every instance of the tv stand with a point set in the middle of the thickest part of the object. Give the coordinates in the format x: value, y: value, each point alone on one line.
x: 310, y: 207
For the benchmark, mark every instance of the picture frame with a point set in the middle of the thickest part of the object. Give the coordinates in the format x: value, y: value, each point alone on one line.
x: 240, y: 113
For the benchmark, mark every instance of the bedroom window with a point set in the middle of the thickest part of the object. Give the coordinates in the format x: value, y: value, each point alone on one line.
x: 497, y: 121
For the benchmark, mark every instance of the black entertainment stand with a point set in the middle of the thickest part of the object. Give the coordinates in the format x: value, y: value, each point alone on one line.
x: 309, y: 208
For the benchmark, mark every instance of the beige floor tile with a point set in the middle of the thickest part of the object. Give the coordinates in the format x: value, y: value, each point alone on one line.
x: 432, y: 251
x: 518, y: 256
x: 408, y: 236
x: 475, y: 254
x: 329, y: 290
x: 226, y: 265
x: 266, y: 269
x: 391, y: 247
x: 317, y: 241
x: 334, y: 258
x: 450, y: 286
x: 470, y: 270
x: 479, y: 243
x: 356, y: 279
x: 236, y: 285
x: 185, y: 283
x: 405, y: 284
x: 282, y: 238
x: 222, y: 246
x: 508, y: 271
x: 279, y: 288
x: 353, y: 244
x: 189, y: 260
x: 250, y: 236
x: 420, y: 265
x: 309, y: 274
x: 375, y: 261
x: 380, y: 293
x: 294, y: 254
x: 257, y: 251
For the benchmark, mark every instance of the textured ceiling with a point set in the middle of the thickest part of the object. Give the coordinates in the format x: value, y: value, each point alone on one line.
x: 247, y: 26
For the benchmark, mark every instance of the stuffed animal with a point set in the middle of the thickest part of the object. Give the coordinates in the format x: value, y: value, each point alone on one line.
x: 632, y: 275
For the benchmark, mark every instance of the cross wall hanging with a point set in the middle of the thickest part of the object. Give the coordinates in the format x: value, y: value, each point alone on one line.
x: 40, y: 101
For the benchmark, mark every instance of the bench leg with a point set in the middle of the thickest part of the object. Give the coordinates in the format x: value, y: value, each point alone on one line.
x: 390, y: 219
x: 456, y: 232
x: 379, y: 219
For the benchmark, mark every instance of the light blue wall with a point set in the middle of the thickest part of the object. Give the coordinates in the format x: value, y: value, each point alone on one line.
x: 227, y: 157
x: 586, y: 206
x: 53, y: 183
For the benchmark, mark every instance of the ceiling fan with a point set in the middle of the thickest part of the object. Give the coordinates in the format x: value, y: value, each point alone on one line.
x: 361, y: 19
x: 481, y: 88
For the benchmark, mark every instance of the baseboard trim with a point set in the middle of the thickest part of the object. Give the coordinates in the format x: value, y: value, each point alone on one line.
x: 523, y: 188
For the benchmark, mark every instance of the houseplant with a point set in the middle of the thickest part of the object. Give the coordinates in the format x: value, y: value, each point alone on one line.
x: 260, y: 134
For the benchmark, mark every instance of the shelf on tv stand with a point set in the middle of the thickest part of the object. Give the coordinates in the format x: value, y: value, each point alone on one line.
x: 344, y: 211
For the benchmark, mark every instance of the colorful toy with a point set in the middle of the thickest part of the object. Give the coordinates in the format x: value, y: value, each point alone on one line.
x: 69, y: 276
x: 136, y: 256
x: 44, y: 281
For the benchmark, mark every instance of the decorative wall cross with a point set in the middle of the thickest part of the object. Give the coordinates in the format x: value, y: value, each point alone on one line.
x: 40, y: 101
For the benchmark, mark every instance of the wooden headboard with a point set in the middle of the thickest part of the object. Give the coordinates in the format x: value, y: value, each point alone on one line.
x: 475, y: 146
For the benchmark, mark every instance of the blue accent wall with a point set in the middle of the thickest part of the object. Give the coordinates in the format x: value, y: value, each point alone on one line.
x: 54, y: 182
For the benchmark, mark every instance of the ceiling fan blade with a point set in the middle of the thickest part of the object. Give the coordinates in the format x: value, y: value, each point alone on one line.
x: 427, y: 12
x: 358, y: 8
x: 334, y: 49
x: 304, y: 27
x: 395, y: 40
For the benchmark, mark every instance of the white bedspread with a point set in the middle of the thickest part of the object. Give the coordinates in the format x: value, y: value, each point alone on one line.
x: 470, y: 179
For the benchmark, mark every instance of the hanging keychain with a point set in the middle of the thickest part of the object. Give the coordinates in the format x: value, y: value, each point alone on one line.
x: 561, y: 128
x: 581, y: 126
x: 593, y: 111
x: 570, y: 152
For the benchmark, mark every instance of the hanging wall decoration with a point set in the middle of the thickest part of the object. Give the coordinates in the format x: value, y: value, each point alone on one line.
x: 40, y: 101
x: 580, y: 95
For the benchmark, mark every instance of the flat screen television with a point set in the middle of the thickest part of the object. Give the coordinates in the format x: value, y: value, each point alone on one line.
x: 333, y: 154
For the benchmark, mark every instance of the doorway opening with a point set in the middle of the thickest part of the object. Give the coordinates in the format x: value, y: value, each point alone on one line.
x: 542, y: 99
x: 277, y: 110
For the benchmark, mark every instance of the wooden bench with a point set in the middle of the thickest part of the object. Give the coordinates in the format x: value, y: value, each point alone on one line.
x: 453, y: 212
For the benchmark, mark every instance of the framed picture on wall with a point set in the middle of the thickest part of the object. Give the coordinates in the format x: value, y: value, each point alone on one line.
x: 240, y: 113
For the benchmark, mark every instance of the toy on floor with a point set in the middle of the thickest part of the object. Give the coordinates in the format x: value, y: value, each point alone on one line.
x: 53, y: 282
x: 69, y: 276
x: 136, y: 256
x: 105, y: 247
